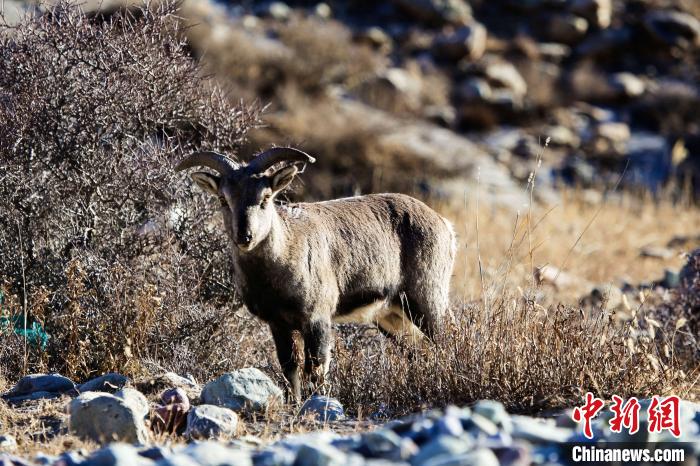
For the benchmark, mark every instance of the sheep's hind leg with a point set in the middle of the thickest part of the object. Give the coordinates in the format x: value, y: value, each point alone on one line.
x: 396, y: 324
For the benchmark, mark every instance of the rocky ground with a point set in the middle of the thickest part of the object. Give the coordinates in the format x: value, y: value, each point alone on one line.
x: 439, y: 90
x: 109, y: 411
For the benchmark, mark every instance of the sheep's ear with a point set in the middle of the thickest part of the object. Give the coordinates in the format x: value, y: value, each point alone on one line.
x: 282, y: 177
x: 207, y: 181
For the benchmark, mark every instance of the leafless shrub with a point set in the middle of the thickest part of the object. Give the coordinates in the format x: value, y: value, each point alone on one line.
x: 94, y: 113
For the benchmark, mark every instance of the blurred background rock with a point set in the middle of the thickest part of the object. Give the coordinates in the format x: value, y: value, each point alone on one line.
x: 415, y: 95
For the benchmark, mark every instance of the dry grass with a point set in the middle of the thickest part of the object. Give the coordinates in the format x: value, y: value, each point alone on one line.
x: 608, y: 253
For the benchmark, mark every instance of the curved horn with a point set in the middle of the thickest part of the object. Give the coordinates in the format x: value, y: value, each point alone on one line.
x: 213, y: 160
x: 278, y: 154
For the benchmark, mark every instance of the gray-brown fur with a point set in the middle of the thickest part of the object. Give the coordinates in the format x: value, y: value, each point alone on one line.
x: 301, y: 266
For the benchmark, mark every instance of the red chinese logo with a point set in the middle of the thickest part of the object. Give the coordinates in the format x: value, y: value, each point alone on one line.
x: 587, y: 412
x: 663, y: 414
x: 625, y: 415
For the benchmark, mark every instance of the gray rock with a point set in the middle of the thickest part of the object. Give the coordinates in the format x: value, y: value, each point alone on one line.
x: 209, y: 421
x: 48, y: 383
x: 274, y: 457
x: 597, y: 12
x: 450, y: 423
x: 627, y: 84
x: 177, y: 459
x: 42, y: 459
x: 295, y: 442
x: 375, y: 37
x: 538, y: 430
x: 172, y: 380
x: 566, y: 28
x: 673, y: 27
x: 504, y: 74
x: 323, y: 408
x: 441, y: 448
x: 437, y: 11
x: 31, y: 397
x: 117, y: 455
x: 561, y: 136
x: 135, y: 399
x: 320, y: 455
x: 323, y: 10
x: 105, y: 383
x: 518, y: 455
x: 387, y: 444
x: 103, y: 417
x: 608, y: 138
x: 244, y: 389
x: 175, y: 395
x: 480, y: 426
x: 8, y: 443
x: 11, y: 460
x: 466, y: 42
x: 394, y: 89
x: 72, y: 458
x: 494, y: 411
x: 604, y: 43
x: 279, y: 11
x: 553, y: 52
x: 478, y: 457
x: 212, y: 453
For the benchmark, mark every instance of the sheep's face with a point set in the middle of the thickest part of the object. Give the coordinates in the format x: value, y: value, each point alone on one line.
x: 247, y: 203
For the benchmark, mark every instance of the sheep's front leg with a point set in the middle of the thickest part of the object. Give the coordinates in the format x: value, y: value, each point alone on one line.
x: 318, y: 337
x: 284, y: 343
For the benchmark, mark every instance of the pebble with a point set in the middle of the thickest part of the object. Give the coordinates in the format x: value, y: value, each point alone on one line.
x: 538, y: 431
x: 8, y: 443
x: 209, y: 421
x: 323, y: 408
x: 320, y: 455
x: 442, y: 447
x: 212, y: 453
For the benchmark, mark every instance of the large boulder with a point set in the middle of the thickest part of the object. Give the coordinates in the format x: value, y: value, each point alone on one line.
x: 104, y: 418
x: 47, y: 383
x: 110, y: 382
x: 135, y: 399
x: 209, y: 421
x: 242, y: 390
